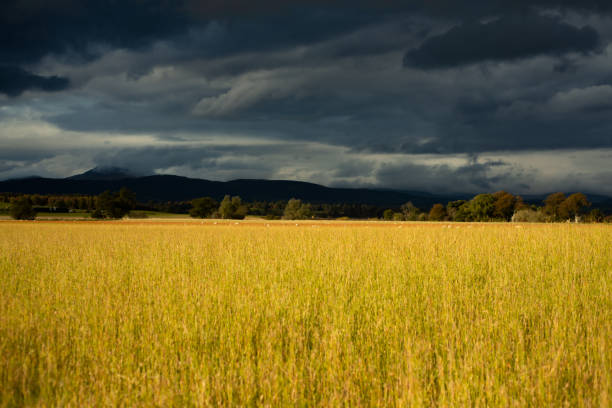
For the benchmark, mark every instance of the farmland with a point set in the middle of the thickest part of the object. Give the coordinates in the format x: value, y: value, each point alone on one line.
x: 141, y: 313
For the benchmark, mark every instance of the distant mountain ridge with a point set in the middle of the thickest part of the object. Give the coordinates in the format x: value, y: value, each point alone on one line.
x: 178, y: 188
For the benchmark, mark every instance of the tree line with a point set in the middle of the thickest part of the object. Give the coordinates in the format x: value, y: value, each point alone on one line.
x: 293, y: 209
x: 106, y: 205
x: 503, y: 206
x: 500, y: 206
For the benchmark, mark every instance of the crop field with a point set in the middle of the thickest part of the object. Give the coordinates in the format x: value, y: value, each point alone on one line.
x: 309, y: 314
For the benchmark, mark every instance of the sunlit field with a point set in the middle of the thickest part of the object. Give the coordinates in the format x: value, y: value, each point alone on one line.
x: 279, y: 314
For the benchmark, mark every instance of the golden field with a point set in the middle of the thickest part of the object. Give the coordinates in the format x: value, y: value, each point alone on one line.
x: 279, y: 314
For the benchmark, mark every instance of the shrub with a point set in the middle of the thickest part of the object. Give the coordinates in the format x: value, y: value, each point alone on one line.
x: 97, y: 214
x: 528, y: 215
x: 21, y: 209
x: 203, y: 207
x: 388, y: 215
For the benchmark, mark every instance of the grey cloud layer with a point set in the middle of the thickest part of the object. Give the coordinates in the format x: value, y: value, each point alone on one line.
x: 507, y: 38
x: 542, y: 172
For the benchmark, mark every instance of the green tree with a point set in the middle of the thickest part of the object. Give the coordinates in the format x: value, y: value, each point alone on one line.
x: 296, y: 210
x: 482, y: 207
x: 232, y: 208
x: 410, y: 211
x: 225, y: 208
x: 398, y: 216
x: 292, y: 209
x: 552, y: 205
x: 127, y: 199
x: 114, y: 205
x: 505, y: 205
x: 573, y: 206
x: 241, y: 212
x: 203, y: 207
x: 437, y: 213
x: 457, y: 210
x: 61, y: 203
x: 21, y: 209
x: 106, y: 206
x: 388, y: 215
x: 596, y: 215
x: 38, y: 199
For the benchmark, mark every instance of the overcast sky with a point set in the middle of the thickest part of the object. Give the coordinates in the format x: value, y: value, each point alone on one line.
x: 436, y: 95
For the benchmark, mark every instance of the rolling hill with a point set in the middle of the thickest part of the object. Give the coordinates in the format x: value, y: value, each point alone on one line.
x: 177, y: 188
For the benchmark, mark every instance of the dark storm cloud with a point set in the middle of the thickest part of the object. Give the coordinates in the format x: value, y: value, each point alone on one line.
x: 14, y: 81
x: 30, y: 30
x: 479, y: 8
x: 507, y: 38
x: 374, y: 122
x: 271, y: 32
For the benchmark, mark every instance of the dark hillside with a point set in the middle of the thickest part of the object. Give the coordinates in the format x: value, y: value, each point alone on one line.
x: 175, y: 188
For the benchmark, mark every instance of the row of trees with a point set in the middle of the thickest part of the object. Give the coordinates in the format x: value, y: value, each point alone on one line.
x: 106, y: 205
x: 499, y: 206
x: 503, y: 206
x: 55, y: 202
x: 265, y: 209
x: 294, y: 209
x: 229, y: 208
